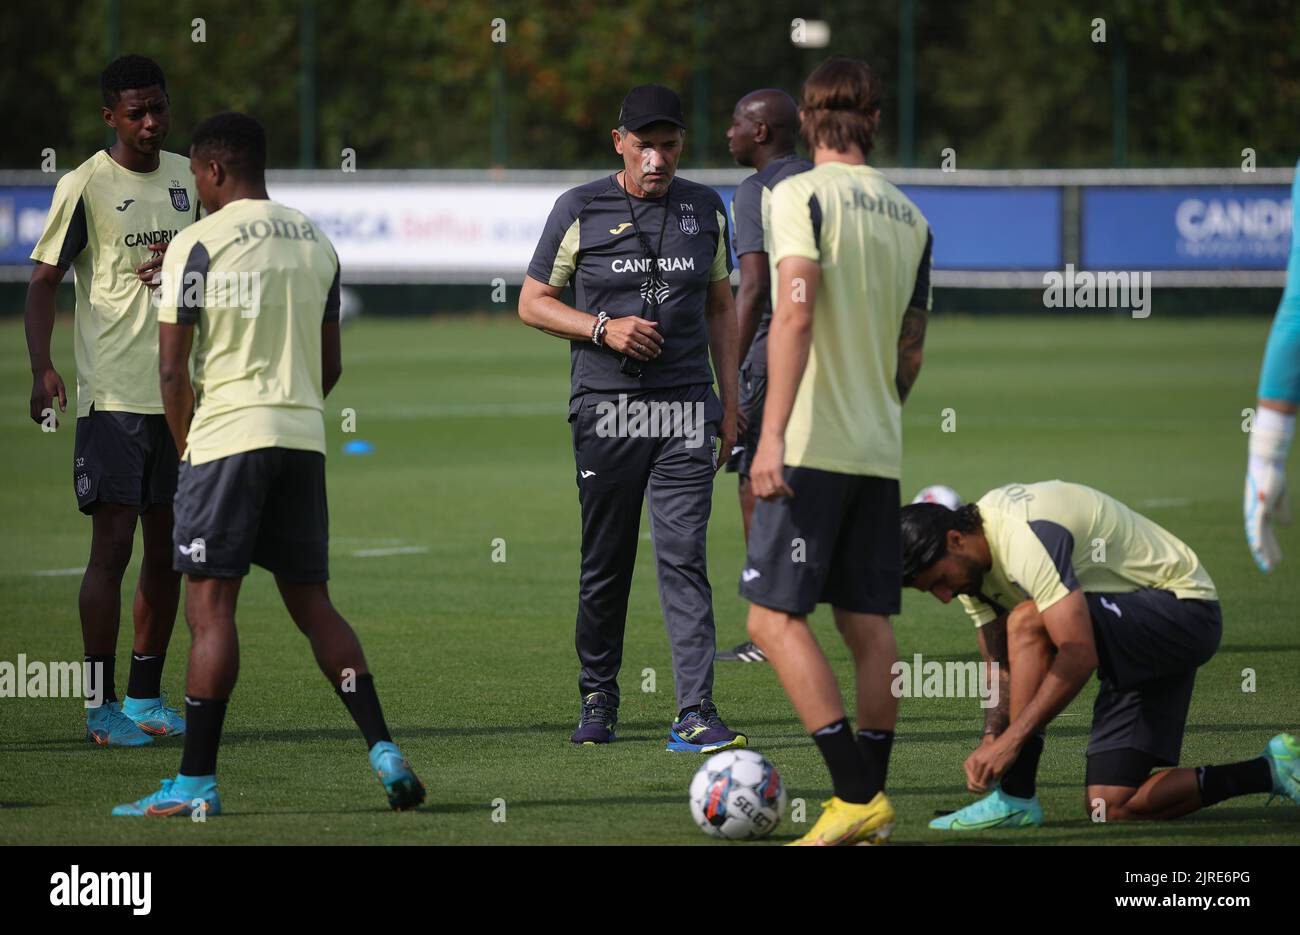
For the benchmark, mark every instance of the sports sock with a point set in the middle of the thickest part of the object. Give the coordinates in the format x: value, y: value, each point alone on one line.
x: 848, y: 768
x: 145, y: 678
x: 363, y: 704
x: 94, y: 683
x: 875, y: 746
x: 203, y: 720
x: 1021, y: 778
x: 1225, y: 782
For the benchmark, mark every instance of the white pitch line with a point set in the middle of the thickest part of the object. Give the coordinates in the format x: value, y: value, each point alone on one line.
x: 59, y: 572
x: 1166, y: 501
x: 399, y: 550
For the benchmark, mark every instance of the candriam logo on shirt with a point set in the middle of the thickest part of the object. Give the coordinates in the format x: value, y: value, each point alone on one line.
x: 213, y: 292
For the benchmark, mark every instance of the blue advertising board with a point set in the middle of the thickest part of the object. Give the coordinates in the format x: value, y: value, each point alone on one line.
x: 992, y: 228
x: 22, y: 218
x: 1200, y: 227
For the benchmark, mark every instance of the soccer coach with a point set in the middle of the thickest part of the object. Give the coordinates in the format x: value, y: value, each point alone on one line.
x: 646, y: 254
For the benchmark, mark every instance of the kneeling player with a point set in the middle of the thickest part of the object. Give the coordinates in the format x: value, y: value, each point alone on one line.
x: 1107, y: 590
x: 261, y: 283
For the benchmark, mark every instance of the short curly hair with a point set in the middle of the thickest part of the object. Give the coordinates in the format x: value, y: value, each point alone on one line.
x: 237, y: 140
x: 129, y: 73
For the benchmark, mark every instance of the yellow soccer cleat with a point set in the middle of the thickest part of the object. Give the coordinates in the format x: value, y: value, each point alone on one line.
x: 845, y: 824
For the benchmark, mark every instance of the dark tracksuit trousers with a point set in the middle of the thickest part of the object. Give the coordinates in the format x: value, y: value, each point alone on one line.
x: 673, y: 471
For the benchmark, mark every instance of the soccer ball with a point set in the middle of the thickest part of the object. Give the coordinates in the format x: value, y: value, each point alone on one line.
x: 938, y: 493
x: 738, y: 795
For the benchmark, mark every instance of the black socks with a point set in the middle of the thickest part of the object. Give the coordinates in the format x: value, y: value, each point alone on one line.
x: 103, y: 679
x: 145, y: 680
x: 363, y: 704
x: 203, y: 720
x: 1225, y: 782
x: 1021, y: 778
x: 849, y: 773
x: 875, y: 746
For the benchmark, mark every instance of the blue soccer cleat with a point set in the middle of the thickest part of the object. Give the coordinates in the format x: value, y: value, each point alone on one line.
x: 153, y: 716
x: 184, y: 797
x: 596, y: 725
x: 402, y: 786
x: 995, y: 810
x: 703, y: 732
x: 107, y: 726
x: 1283, y: 755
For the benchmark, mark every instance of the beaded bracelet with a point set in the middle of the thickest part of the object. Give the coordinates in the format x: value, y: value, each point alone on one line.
x: 598, y: 329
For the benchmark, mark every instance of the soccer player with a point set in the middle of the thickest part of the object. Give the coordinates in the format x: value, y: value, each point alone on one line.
x: 1062, y: 581
x: 253, y: 288
x: 764, y: 125
x: 110, y: 220
x: 646, y: 254
x: 852, y: 255
x: 1266, y: 500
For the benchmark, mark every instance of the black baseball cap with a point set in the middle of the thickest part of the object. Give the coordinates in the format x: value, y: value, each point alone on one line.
x: 651, y: 103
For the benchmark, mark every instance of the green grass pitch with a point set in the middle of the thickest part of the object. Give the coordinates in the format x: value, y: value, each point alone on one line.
x: 474, y: 659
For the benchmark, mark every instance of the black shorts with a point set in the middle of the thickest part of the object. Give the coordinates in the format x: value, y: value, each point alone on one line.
x: 753, y: 392
x: 125, y: 458
x: 265, y: 507
x: 1149, y: 646
x: 837, y: 541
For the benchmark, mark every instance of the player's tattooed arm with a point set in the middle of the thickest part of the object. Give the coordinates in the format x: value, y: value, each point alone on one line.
x: 993, y: 647
x: 911, y: 341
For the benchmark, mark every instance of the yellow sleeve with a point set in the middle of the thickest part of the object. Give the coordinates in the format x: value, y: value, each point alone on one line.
x: 721, y: 258
x: 65, y: 234
x: 980, y: 613
x: 1026, y: 561
x: 794, y: 232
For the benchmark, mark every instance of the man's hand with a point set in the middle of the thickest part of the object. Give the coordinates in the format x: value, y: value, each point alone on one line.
x: 634, y: 337
x: 727, y: 432
x: 767, y: 473
x: 46, y: 386
x: 989, y: 761
x: 1265, y: 504
x: 148, y: 270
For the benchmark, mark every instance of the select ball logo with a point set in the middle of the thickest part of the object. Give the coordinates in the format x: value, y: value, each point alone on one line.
x: 737, y: 795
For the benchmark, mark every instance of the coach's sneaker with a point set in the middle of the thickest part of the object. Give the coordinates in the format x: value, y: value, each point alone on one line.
x: 745, y: 652
x: 153, y: 716
x: 703, y: 731
x: 107, y: 726
x: 402, y: 786
x: 184, y: 796
x: 995, y: 810
x: 849, y: 824
x: 596, y: 725
x: 1283, y: 755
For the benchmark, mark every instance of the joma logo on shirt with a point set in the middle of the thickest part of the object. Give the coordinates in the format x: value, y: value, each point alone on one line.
x: 881, y: 205
x: 140, y: 238
x: 275, y: 227
x: 666, y: 264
